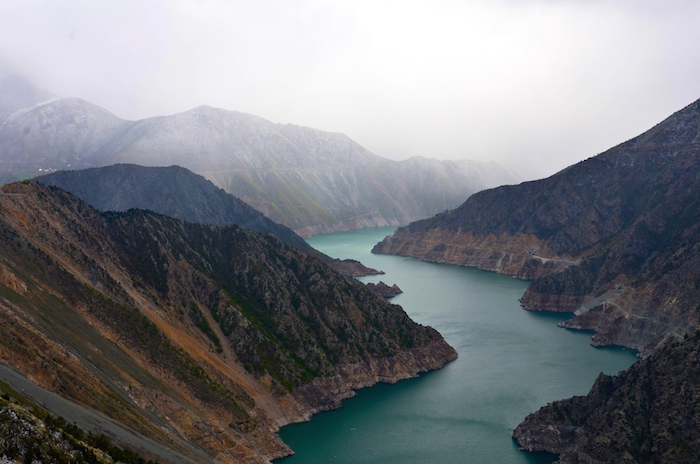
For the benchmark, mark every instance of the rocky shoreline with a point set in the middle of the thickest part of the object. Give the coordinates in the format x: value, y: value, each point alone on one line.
x: 327, y: 393
x: 351, y: 268
x: 649, y: 413
x: 516, y: 255
x: 384, y: 290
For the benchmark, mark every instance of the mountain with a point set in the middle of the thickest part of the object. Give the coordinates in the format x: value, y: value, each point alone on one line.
x: 181, y: 194
x: 18, y: 92
x: 202, y: 338
x: 307, y: 179
x: 650, y: 413
x: 59, y: 134
x: 614, y: 239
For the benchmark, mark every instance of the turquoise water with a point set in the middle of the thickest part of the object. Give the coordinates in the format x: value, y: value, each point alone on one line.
x: 511, y: 362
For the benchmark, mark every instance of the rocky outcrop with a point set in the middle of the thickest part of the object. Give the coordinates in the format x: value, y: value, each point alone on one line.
x: 203, y: 338
x: 349, y: 267
x: 516, y: 255
x: 650, y: 413
x: 327, y: 393
x: 384, y: 290
x: 613, y: 239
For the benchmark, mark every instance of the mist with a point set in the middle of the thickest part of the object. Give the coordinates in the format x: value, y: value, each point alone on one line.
x: 533, y: 85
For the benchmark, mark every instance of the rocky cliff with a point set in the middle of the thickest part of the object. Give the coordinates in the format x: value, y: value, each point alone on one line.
x: 200, y: 337
x: 384, y: 290
x: 650, y: 413
x: 307, y: 179
x: 181, y: 194
x: 613, y: 239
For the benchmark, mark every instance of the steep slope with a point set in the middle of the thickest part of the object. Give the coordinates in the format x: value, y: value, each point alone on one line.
x: 650, y: 413
x: 58, y: 134
x: 309, y: 180
x: 613, y: 238
x: 181, y: 194
x: 201, y: 337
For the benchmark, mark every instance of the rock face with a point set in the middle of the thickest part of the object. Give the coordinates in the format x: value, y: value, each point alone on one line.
x: 181, y: 194
x: 309, y: 180
x: 384, y: 290
x: 650, y: 413
x: 200, y: 337
x: 614, y: 239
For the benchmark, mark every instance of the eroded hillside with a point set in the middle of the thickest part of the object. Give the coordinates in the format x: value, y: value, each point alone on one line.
x: 614, y: 239
x: 651, y: 413
x: 204, y: 338
x: 176, y: 192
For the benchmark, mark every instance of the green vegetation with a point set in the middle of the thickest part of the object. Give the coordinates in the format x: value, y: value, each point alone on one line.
x: 28, y: 433
x: 57, y: 316
x: 202, y: 324
x: 105, y: 309
x: 285, y: 314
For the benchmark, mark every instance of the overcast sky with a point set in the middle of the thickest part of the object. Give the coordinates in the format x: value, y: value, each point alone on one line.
x: 534, y: 85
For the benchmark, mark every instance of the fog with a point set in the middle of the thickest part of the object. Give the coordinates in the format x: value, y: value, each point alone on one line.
x: 533, y: 85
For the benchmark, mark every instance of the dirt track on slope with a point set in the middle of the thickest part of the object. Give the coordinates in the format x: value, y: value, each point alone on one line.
x: 93, y: 421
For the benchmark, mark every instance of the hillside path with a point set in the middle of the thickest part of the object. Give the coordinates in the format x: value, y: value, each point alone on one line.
x: 90, y: 420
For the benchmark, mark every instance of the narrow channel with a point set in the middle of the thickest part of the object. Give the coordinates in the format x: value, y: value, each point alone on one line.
x: 511, y: 362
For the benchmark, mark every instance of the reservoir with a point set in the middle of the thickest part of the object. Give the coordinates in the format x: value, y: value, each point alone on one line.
x: 511, y: 363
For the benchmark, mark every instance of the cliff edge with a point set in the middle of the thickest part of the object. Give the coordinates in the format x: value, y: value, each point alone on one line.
x: 650, y: 413
x: 613, y: 239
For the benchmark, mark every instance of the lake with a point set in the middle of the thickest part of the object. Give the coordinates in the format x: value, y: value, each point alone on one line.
x: 511, y: 363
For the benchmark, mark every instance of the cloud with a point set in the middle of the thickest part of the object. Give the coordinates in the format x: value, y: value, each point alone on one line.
x: 536, y: 85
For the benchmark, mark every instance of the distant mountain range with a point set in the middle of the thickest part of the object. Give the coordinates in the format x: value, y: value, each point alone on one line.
x: 615, y: 239
x: 310, y: 180
x: 203, y: 338
x: 181, y: 194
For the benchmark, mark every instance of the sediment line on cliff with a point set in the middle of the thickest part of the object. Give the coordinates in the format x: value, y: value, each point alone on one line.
x: 327, y: 393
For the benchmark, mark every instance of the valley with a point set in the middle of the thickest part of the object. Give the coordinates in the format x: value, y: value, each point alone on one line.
x: 622, y: 224
x: 157, y: 276
x: 614, y: 240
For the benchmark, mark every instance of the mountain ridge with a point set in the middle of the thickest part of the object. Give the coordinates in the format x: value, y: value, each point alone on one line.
x: 307, y: 179
x: 192, y: 335
x: 615, y: 240
x: 605, y: 238
x: 179, y: 193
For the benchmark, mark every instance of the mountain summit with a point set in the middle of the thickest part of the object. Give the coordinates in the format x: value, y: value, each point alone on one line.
x: 307, y: 179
